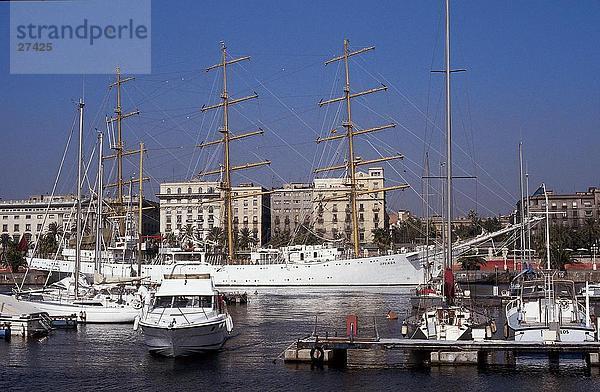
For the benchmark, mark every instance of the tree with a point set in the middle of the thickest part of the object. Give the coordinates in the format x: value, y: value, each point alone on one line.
x: 382, y: 238
x: 216, y: 235
x: 471, y: 263
x: 491, y: 224
x: 280, y: 238
x: 305, y: 236
x: 13, y: 257
x: 170, y: 239
x: 411, y: 230
x: 5, y: 238
x: 244, y: 238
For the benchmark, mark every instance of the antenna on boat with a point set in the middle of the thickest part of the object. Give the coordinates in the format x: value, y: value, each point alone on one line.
x: 226, y: 170
x: 353, y: 161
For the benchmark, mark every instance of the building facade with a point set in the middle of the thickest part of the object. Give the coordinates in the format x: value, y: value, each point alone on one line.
x: 291, y: 208
x: 199, y: 204
x: 569, y: 210
x: 333, y: 218
x: 28, y: 217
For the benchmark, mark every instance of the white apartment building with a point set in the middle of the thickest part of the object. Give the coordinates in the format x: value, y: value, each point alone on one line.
x: 199, y: 204
x: 26, y: 217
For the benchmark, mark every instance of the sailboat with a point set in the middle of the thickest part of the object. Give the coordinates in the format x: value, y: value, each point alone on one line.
x: 448, y: 321
x: 69, y: 297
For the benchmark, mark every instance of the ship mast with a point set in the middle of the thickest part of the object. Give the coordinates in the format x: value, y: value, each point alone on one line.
x: 119, y: 146
x: 226, y: 185
x: 353, y: 161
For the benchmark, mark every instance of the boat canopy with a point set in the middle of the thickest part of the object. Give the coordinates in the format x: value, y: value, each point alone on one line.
x: 189, y: 285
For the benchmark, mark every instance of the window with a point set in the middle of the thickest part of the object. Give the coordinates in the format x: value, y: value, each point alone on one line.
x: 168, y: 191
x: 5, y: 228
x: 190, y: 190
x: 39, y: 227
x: 199, y: 189
x: 39, y: 216
x: 27, y: 227
x: 168, y: 218
x: 16, y: 228
x: 5, y: 217
x: 27, y: 216
x: 17, y: 216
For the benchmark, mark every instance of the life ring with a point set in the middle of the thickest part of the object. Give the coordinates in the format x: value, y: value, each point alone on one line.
x: 317, y: 355
x: 136, y: 303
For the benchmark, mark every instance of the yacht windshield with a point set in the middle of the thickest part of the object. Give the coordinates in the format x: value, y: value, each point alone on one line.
x: 184, y: 301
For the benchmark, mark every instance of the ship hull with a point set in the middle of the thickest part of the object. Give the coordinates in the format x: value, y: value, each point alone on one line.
x: 388, y: 270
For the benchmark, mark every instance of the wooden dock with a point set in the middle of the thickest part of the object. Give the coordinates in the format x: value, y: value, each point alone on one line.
x: 319, y: 350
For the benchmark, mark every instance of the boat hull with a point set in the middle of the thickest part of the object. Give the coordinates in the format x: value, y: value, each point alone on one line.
x: 87, y: 314
x: 184, y: 341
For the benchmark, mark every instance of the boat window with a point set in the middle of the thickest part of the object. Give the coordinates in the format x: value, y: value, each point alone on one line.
x: 184, y: 301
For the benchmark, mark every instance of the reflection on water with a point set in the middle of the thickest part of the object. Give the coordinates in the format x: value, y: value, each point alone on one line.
x: 114, y: 358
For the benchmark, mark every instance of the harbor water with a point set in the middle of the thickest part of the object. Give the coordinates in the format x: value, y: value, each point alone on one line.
x: 113, y: 357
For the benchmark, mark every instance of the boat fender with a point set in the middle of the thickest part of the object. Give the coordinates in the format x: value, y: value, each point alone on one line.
x: 404, y: 329
x: 317, y: 355
x: 493, y: 326
x: 136, y: 323
x: 229, y: 323
x: 505, y: 330
x: 488, y: 332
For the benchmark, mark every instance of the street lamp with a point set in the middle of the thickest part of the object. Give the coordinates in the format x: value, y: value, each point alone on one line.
x: 594, y: 250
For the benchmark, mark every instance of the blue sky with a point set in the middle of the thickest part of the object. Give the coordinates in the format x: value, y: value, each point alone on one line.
x: 532, y: 75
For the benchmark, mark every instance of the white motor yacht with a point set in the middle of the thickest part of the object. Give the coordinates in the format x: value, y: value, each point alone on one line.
x: 186, y: 316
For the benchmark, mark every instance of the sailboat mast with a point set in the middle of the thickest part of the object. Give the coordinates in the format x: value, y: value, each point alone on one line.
x: 426, y: 215
x: 448, y: 143
x: 140, y: 210
x: 78, y: 211
x: 98, y: 249
x: 528, y: 218
x: 521, y: 188
x: 351, y: 163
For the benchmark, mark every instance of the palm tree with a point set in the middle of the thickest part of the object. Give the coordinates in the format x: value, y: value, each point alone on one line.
x: 244, y: 238
x: 216, y: 235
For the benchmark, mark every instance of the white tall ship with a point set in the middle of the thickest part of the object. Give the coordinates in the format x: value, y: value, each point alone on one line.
x: 303, y: 265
